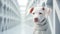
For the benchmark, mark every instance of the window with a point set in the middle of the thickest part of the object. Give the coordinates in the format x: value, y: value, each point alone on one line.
x: 0, y: 20
x: 0, y: 4
x: 4, y: 7
x: 58, y: 2
x: 4, y: 21
x: 0, y: 7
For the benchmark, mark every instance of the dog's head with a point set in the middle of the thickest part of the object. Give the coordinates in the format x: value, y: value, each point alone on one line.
x: 39, y: 13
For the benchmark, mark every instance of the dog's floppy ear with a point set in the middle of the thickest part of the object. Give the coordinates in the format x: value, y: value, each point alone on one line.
x: 31, y: 10
x: 48, y: 11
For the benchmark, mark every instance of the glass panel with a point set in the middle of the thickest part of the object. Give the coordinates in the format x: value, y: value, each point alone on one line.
x: 0, y: 7
x: 4, y: 7
x: 58, y: 2
x: 50, y: 3
x: 0, y: 4
x: 0, y: 20
x: 57, y: 23
x: 4, y: 21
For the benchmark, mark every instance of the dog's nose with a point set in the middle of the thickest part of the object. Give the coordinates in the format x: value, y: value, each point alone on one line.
x: 36, y: 19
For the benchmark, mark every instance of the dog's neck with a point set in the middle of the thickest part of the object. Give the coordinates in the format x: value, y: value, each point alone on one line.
x: 42, y: 21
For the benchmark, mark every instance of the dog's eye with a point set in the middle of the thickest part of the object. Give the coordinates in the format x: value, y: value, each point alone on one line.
x: 33, y: 13
x: 40, y: 13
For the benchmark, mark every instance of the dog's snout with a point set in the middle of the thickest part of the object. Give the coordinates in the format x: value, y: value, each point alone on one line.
x: 36, y: 19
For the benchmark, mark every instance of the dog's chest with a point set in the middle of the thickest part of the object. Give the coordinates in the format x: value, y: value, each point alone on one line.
x: 43, y: 25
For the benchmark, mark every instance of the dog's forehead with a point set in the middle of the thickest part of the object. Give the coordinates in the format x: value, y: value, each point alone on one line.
x: 38, y: 9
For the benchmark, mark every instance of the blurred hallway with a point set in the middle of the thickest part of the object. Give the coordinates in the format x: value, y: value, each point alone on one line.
x: 15, y: 18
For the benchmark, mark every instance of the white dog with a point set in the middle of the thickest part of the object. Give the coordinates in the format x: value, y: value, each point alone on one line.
x: 40, y: 15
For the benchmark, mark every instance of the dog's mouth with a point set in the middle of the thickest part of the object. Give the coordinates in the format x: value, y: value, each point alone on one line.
x: 36, y: 20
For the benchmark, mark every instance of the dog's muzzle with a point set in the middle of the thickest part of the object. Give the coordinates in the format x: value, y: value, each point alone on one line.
x: 35, y: 19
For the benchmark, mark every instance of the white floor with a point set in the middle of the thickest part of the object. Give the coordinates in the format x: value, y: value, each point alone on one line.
x: 19, y: 29
x: 14, y: 30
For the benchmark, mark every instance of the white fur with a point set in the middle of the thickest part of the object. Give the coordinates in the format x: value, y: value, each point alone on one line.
x: 38, y: 28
